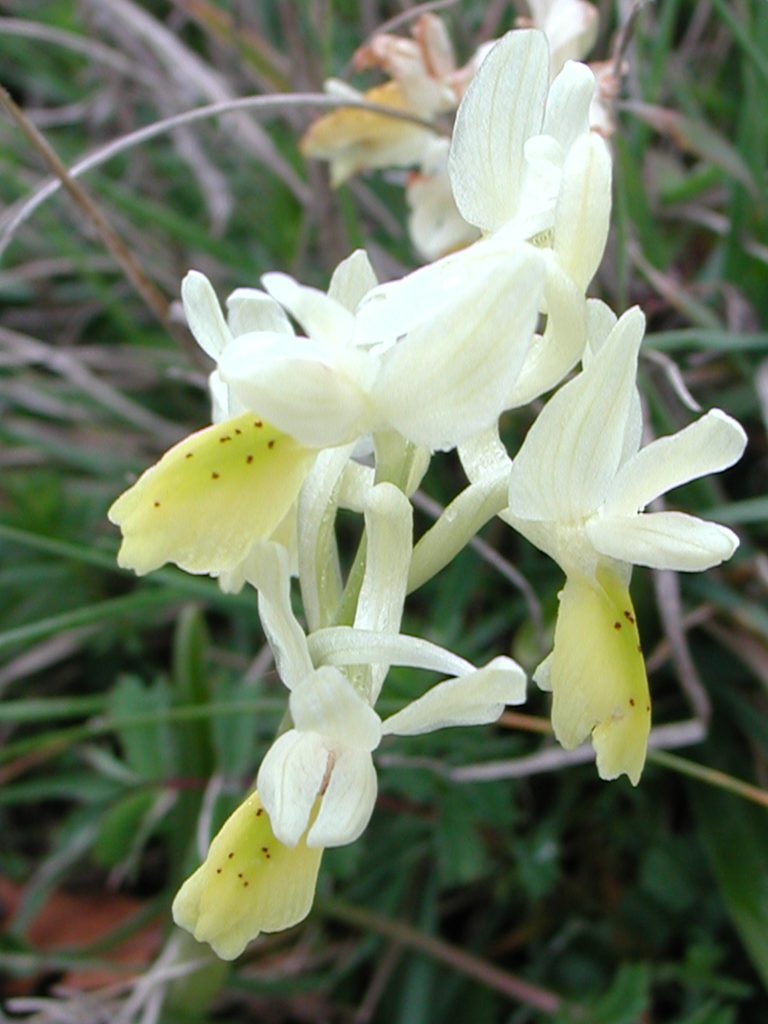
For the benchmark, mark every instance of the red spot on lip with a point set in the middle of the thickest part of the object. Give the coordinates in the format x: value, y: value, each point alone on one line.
x: 271, y: 444
x: 157, y: 504
x: 617, y: 625
x: 258, y: 423
x: 214, y: 476
x: 632, y: 702
x: 249, y: 459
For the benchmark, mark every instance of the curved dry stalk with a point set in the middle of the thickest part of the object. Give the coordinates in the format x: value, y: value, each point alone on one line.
x: 146, y: 288
x: 61, y: 37
x: 473, y: 966
x: 14, y: 219
x: 551, y: 759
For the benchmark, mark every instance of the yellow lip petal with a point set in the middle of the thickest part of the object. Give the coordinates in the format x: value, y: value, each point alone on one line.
x: 248, y: 883
x: 598, y: 678
x: 210, y: 497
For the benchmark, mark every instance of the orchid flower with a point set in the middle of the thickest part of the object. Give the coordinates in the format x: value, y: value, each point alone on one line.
x: 524, y: 167
x: 440, y: 375
x: 523, y: 162
x: 577, y: 490
x: 317, y: 785
x: 224, y: 489
x: 571, y: 28
x: 424, y: 81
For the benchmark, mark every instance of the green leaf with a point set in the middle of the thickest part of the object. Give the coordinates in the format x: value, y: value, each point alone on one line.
x: 461, y: 855
x: 735, y: 836
x: 120, y: 825
x: 191, y: 687
x: 627, y: 999
x: 148, y: 749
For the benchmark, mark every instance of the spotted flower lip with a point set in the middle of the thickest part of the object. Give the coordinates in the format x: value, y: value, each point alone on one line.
x: 202, y: 505
x: 249, y: 882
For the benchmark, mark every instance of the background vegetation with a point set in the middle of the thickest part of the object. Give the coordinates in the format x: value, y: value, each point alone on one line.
x: 136, y: 711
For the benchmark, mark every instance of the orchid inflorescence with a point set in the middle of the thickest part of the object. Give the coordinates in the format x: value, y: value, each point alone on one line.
x: 347, y: 414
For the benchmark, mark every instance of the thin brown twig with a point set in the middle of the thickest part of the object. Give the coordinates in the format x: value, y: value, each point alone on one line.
x: 667, y: 587
x: 473, y: 966
x: 412, y: 13
x: 147, y: 290
x: 624, y: 37
x: 619, y: 50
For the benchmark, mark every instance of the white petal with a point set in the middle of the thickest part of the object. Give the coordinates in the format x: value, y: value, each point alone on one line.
x: 600, y: 322
x: 250, y: 309
x: 389, y: 532
x: 352, y: 280
x: 289, y: 781
x: 552, y: 355
x: 434, y: 223
x: 397, y: 307
x: 474, y: 699
x: 711, y: 444
x: 348, y: 801
x: 203, y: 313
x: 322, y: 317
x: 326, y: 703
x: 298, y: 386
x: 572, y: 451
x: 663, y: 540
x: 451, y: 377
x: 568, y: 102
x: 502, y: 107
x: 222, y: 406
x: 343, y: 645
x: 319, y: 571
x: 270, y: 574
x: 583, y: 208
x: 484, y: 455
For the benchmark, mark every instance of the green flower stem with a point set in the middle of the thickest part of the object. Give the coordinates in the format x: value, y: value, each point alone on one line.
x: 345, y: 616
x: 394, y: 462
x: 458, y: 524
x: 712, y: 776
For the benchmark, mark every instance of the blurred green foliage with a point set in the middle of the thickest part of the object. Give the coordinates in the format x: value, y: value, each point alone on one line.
x: 134, y: 709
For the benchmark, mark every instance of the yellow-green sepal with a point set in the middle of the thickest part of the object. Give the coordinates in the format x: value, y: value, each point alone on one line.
x: 210, y: 497
x: 598, y: 679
